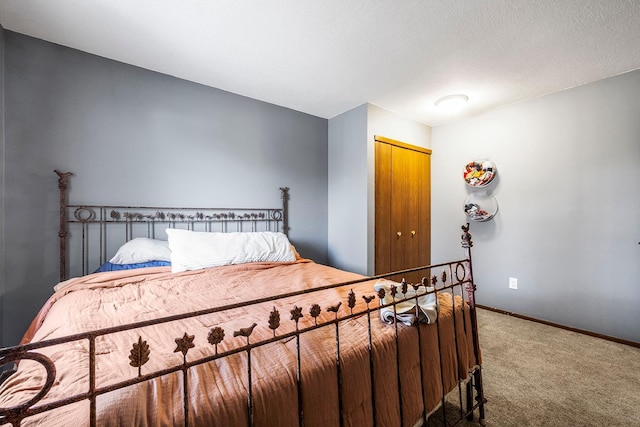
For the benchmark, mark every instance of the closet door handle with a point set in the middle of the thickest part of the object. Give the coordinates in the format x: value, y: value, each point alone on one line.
x: 399, y: 233
x: 413, y: 233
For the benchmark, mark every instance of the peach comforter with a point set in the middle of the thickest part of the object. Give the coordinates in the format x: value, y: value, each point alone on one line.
x: 217, y: 390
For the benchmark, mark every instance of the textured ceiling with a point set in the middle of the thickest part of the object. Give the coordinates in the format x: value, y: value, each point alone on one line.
x: 328, y: 56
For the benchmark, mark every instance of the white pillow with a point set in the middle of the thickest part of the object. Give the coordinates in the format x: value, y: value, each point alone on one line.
x: 142, y: 249
x: 192, y: 250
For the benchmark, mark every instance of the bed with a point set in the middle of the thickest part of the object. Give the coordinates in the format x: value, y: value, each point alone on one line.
x: 255, y: 335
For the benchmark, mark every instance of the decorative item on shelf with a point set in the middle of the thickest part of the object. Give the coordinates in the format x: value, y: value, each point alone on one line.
x: 480, y: 206
x: 479, y: 173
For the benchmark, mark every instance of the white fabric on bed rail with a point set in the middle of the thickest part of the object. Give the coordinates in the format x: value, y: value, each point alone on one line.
x: 405, y: 311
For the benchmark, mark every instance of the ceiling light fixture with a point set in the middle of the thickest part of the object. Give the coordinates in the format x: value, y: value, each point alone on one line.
x: 452, y: 103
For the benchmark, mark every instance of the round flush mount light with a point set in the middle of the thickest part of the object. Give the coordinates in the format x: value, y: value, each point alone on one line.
x: 452, y: 103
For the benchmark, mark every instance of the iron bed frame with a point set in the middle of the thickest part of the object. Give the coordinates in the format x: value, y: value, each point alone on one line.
x: 456, y: 278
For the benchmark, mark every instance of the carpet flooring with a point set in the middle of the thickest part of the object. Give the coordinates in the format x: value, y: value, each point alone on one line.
x: 539, y: 375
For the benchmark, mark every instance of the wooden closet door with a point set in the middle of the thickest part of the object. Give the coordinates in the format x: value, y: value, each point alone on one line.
x: 402, y: 208
x: 383, y: 234
x: 403, y: 205
x: 419, y: 252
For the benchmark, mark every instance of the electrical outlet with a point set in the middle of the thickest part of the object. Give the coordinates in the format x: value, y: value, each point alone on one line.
x: 513, y: 283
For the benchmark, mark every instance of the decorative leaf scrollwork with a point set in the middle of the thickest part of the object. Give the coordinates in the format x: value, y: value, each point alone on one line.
x: 184, y: 344
x: 296, y: 314
x: 443, y: 276
x: 274, y: 320
x: 115, y: 215
x: 139, y: 354
x: 351, y: 300
x: 434, y: 280
x: 314, y: 311
x: 404, y: 286
x: 215, y: 337
x: 466, y: 237
x: 381, y: 294
x: 175, y: 216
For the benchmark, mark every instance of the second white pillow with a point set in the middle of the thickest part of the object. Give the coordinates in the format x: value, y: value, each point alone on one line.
x: 142, y: 249
x: 192, y: 250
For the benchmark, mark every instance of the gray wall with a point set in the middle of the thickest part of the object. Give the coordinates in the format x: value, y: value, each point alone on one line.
x: 569, y: 200
x: 132, y: 136
x: 347, y: 187
x: 1, y: 175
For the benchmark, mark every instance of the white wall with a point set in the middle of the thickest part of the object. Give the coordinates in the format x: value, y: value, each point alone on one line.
x: 568, y: 189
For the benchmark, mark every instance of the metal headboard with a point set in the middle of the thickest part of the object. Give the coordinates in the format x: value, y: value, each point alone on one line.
x: 103, y: 227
